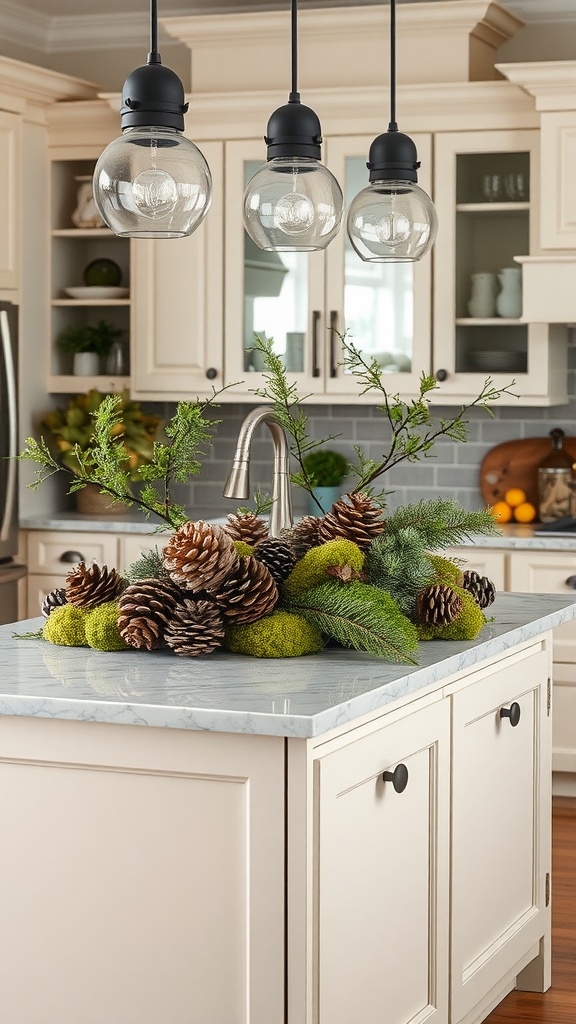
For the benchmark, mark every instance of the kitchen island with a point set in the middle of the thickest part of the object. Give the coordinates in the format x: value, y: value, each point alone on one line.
x: 230, y: 840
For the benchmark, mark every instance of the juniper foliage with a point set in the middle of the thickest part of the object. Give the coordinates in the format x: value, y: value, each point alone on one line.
x: 397, y: 562
x: 441, y: 522
x: 148, y: 566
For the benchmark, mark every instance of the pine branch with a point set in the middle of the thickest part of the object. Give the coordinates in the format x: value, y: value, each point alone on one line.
x: 408, y: 442
x: 148, y: 566
x: 361, y: 617
x: 37, y: 635
x: 397, y: 562
x: 288, y: 411
x: 441, y: 522
x: 262, y: 504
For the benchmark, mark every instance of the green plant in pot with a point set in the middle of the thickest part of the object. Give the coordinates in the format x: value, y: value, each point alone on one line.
x: 89, y: 344
x: 327, y: 470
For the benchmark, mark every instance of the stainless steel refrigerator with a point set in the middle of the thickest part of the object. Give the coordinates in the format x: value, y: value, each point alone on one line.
x: 10, y: 572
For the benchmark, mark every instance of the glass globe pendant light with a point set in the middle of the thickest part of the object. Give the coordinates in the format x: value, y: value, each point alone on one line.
x: 293, y: 203
x: 152, y: 182
x: 393, y: 220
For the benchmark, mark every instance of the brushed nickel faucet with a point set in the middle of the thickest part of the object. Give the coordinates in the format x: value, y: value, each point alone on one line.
x: 238, y: 482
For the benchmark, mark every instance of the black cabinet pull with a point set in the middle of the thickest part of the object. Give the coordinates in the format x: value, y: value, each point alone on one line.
x: 513, y: 713
x: 72, y: 556
x: 315, y: 322
x: 441, y: 375
x: 571, y: 582
x: 211, y: 373
x: 398, y: 778
x: 333, y: 332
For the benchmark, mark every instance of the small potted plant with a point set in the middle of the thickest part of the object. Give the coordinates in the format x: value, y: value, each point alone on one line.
x: 89, y: 343
x: 327, y: 470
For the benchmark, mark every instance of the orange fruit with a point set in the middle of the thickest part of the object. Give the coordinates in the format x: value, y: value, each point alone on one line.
x: 515, y: 496
x: 525, y: 512
x: 502, y: 512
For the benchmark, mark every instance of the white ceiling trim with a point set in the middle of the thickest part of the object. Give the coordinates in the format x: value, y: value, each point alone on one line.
x: 27, y: 26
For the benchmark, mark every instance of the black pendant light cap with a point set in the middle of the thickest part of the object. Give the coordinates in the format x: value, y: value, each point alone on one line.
x: 293, y: 130
x: 393, y: 157
x: 153, y: 96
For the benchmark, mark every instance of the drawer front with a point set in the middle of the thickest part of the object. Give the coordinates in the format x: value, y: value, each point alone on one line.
x: 548, y: 572
x: 53, y: 552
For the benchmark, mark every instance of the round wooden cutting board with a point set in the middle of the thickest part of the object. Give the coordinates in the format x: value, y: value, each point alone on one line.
x: 515, y: 464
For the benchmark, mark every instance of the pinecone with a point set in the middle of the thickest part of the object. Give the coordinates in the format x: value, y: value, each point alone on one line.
x: 55, y: 599
x: 248, y: 594
x: 246, y: 526
x: 437, y: 605
x: 303, y: 535
x: 199, y: 554
x: 196, y: 627
x: 89, y: 586
x: 356, y: 517
x: 277, y: 555
x: 146, y: 608
x: 482, y: 589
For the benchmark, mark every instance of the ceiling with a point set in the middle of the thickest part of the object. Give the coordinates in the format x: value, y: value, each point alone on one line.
x: 73, y: 25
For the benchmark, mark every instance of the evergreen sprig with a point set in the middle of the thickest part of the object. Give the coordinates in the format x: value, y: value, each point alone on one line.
x: 35, y: 635
x: 441, y: 522
x: 149, y: 566
x: 289, y: 412
x: 397, y: 562
x: 104, y: 461
x: 262, y: 504
x: 358, y: 615
x: 413, y: 431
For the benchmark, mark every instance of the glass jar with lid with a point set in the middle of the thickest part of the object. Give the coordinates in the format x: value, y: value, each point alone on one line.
x: 555, y: 481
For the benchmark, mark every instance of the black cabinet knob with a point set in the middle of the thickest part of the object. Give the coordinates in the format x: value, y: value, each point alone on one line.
x: 211, y: 373
x: 571, y: 582
x: 441, y: 375
x: 72, y: 556
x: 513, y: 713
x: 398, y: 778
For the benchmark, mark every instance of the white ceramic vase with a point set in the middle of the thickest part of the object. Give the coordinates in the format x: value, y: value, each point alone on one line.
x: 86, y: 364
x: 509, y: 299
x: 482, y: 301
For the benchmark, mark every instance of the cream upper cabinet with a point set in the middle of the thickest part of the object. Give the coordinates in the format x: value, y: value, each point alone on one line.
x: 305, y: 301
x: 10, y: 149
x: 558, y: 202
x: 486, y: 192
x: 177, y: 311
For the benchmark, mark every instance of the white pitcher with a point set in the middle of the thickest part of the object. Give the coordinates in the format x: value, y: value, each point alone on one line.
x: 482, y: 301
x: 509, y: 299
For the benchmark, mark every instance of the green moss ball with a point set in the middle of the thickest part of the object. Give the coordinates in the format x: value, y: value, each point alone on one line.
x: 465, y: 626
x: 243, y: 548
x: 280, y: 635
x: 310, y: 571
x: 446, y: 571
x: 66, y: 626
x: 102, y: 628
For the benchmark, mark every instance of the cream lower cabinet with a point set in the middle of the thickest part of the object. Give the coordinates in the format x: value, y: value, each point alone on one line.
x: 383, y: 861
x: 237, y: 879
x: 501, y: 836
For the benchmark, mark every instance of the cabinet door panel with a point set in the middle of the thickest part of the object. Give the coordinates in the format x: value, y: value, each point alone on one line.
x: 10, y: 209
x: 500, y: 780
x: 382, y: 886
x: 177, y: 308
x: 487, y: 563
x: 547, y: 572
x: 558, y: 209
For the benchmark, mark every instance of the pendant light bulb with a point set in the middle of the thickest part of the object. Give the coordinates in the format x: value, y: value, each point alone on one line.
x: 293, y: 203
x: 152, y: 182
x: 392, y: 220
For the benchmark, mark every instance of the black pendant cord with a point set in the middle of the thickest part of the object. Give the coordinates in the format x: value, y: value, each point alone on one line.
x: 154, y: 56
x: 393, y: 127
x: 294, y: 94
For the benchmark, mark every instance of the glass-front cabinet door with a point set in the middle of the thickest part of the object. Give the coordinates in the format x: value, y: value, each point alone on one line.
x: 486, y: 191
x: 384, y: 309
x: 274, y: 295
x: 305, y: 301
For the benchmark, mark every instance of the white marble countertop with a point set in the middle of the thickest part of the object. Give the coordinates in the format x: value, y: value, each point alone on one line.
x: 300, y: 697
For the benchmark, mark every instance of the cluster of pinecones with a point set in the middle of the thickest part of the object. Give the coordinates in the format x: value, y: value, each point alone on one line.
x: 208, y: 584
x: 438, y: 604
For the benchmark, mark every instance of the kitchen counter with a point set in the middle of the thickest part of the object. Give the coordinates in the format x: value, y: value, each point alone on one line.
x: 296, y: 697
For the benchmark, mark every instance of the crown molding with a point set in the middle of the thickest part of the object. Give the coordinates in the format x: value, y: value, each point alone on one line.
x: 28, y: 27
x: 551, y: 83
